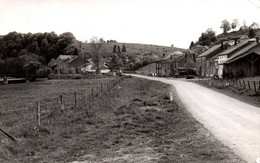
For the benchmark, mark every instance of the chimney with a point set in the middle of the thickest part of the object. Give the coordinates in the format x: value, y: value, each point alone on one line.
x: 257, y: 40
x: 235, y: 41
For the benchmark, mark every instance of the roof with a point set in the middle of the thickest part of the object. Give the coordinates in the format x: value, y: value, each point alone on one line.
x: 233, y: 48
x: 243, y: 52
x: 211, y: 50
x: 174, y: 54
x: 237, y: 47
x: 64, y: 57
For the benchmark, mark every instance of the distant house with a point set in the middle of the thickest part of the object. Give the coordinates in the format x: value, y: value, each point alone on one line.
x: 149, y: 69
x: 91, y: 67
x: 175, y: 65
x: 65, y: 62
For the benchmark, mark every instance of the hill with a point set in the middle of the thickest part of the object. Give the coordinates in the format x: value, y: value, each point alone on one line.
x: 133, y: 49
x: 136, y: 55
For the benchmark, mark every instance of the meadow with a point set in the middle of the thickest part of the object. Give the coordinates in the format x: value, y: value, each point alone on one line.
x: 131, y: 120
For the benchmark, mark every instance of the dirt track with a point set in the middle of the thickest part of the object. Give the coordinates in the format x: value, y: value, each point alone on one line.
x: 233, y: 122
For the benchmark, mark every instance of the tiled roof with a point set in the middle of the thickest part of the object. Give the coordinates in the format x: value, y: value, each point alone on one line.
x: 242, y: 52
x: 233, y: 48
x: 210, y: 51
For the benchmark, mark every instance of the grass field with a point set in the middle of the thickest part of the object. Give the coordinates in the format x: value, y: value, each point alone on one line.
x: 133, y: 122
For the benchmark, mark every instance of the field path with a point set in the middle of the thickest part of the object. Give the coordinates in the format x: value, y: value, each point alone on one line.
x: 233, y: 122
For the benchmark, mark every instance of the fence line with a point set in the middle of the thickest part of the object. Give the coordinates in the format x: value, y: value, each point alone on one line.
x: 239, y: 83
x: 41, y: 110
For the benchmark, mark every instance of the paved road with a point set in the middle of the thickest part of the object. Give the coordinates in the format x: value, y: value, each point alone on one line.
x: 233, y: 122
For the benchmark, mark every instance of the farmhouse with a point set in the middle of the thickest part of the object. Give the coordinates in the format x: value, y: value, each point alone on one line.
x: 175, y: 65
x: 245, y: 62
x: 233, y: 50
x: 206, y: 62
x: 65, y: 62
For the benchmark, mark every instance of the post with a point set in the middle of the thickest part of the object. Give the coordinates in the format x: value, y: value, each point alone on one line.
x: 239, y: 83
x: 97, y: 90
x: 171, y: 96
x: 248, y: 85
x: 61, y: 103
x: 85, y: 97
x: 38, y: 113
x: 92, y: 93
x: 75, y: 98
x: 244, y: 84
x: 255, y: 86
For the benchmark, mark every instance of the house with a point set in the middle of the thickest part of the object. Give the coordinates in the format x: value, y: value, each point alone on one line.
x: 233, y: 50
x: 149, y: 69
x: 65, y: 62
x: 175, y: 65
x: 206, y: 62
x: 90, y: 67
x: 245, y: 62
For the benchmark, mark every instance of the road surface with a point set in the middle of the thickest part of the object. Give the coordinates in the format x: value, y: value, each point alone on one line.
x: 234, y: 123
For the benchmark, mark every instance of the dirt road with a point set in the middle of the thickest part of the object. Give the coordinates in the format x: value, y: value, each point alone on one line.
x: 233, y: 122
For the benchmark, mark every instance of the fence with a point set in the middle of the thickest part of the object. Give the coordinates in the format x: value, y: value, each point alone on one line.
x: 253, y: 85
x: 46, y: 110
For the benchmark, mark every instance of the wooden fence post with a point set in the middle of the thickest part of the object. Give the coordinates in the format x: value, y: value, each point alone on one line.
x: 85, y: 97
x: 244, y: 84
x: 75, y: 99
x: 92, y: 93
x: 38, y: 113
x: 248, y: 82
x: 61, y: 103
x: 254, y: 86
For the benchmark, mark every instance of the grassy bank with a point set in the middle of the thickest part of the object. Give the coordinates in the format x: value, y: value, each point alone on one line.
x: 235, y: 90
x: 133, y: 122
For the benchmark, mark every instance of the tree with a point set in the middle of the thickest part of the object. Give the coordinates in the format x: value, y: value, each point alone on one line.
x: 96, y: 45
x: 118, y: 49
x: 254, y: 26
x: 123, y: 48
x: 207, y: 37
x: 234, y: 24
x: 225, y: 25
x: 114, y: 49
x: 251, y: 33
x: 244, y: 27
x: 191, y: 44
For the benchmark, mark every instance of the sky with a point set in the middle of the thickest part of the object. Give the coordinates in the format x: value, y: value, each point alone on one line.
x: 158, y: 22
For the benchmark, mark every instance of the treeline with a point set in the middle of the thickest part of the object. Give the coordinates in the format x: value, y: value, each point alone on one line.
x: 29, y: 54
x: 209, y: 37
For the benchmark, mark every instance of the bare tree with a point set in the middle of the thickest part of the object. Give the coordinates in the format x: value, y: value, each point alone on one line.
x: 244, y: 27
x: 96, y: 44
